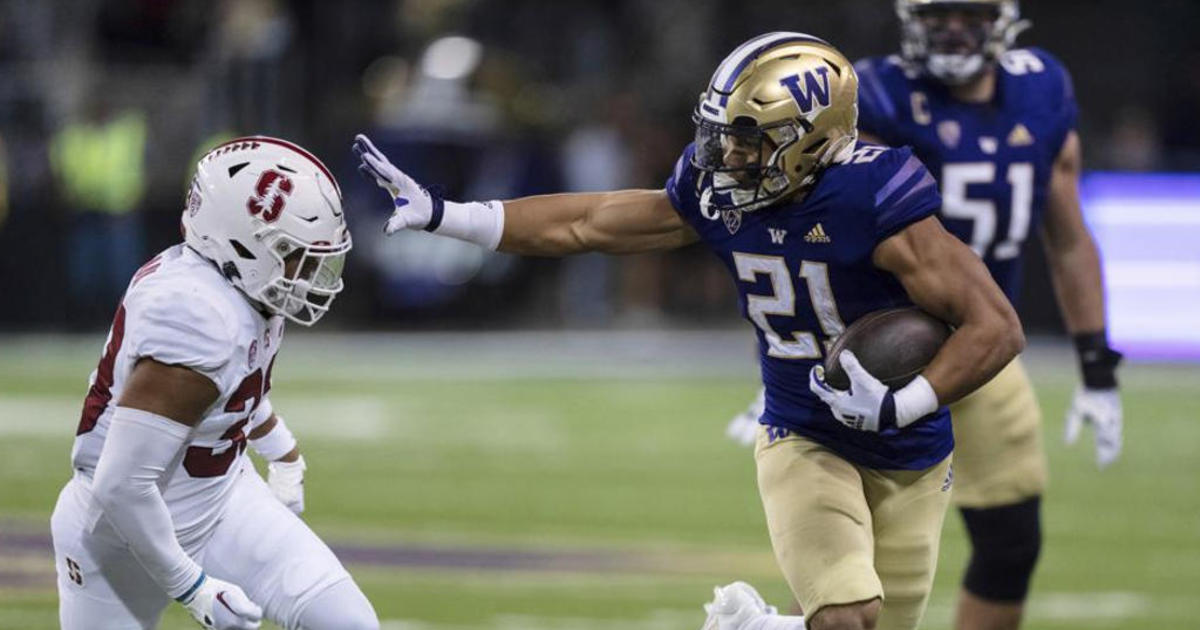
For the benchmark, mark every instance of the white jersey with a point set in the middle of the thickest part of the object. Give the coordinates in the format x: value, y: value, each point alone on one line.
x: 180, y: 310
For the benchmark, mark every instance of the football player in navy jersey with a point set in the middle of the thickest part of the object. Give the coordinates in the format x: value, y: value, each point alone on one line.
x: 816, y: 230
x: 996, y: 127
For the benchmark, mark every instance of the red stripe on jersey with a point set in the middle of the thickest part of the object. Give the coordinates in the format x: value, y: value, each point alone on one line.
x: 101, y: 390
x: 287, y: 145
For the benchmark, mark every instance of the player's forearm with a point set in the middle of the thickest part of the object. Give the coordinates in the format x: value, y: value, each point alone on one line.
x: 273, y: 440
x: 548, y: 225
x: 1078, y: 284
x: 976, y: 351
x: 613, y: 222
x: 139, y: 452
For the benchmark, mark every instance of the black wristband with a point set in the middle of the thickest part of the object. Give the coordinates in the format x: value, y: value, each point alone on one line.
x: 1097, y: 361
x: 435, y: 216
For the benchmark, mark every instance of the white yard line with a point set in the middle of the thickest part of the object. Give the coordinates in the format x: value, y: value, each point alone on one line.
x: 353, y: 418
x: 1096, y: 608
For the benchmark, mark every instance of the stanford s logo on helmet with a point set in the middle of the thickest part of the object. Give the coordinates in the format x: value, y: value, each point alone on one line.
x: 270, y: 194
x: 269, y: 215
x: 778, y: 109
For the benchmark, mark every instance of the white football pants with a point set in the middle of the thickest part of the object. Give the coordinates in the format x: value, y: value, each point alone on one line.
x: 258, y: 544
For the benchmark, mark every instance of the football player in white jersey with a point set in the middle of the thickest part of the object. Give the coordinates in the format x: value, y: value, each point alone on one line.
x: 164, y: 504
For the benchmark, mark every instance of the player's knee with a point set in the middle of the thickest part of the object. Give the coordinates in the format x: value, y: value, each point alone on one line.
x: 1005, y: 544
x: 857, y: 616
x: 360, y: 620
x: 342, y: 607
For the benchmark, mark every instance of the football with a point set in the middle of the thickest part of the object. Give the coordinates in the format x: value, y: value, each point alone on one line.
x: 893, y: 344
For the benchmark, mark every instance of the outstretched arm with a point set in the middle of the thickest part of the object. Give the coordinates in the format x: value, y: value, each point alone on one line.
x: 617, y: 222
x: 945, y: 278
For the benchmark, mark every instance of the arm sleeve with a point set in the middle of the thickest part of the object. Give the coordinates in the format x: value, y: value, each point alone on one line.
x: 139, y: 450
x: 181, y: 327
x: 905, y: 192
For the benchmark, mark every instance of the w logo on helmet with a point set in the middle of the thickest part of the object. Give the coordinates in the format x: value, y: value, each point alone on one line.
x: 816, y: 87
x: 270, y: 195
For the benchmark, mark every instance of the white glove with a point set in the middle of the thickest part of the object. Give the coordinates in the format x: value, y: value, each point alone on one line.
x: 860, y: 406
x: 413, y: 204
x: 743, y: 428
x: 219, y: 605
x: 733, y: 606
x: 869, y: 405
x: 286, y: 480
x: 1100, y: 408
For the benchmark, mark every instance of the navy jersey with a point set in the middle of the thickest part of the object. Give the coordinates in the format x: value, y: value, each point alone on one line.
x: 993, y: 160
x: 804, y: 272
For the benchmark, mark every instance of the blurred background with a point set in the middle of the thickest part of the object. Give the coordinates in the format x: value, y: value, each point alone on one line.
x: 523, y: 443
x: 105, y: 105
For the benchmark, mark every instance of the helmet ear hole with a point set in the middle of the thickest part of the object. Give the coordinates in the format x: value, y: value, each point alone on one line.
x: 241, y: 250
x: 815, y: 146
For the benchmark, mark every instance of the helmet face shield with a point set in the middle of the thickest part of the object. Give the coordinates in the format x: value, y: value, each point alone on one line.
x: 955, y: 40
x: 311, y: 278
x: 269, y: 214
x: 743, y: 160
x: 957, y: 29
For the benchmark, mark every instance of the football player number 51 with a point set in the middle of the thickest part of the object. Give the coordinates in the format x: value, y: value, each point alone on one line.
x: 982, y: 212
x: 782, y: 302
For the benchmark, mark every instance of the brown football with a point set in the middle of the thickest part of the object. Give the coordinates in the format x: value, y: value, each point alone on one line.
x: 893, y: 344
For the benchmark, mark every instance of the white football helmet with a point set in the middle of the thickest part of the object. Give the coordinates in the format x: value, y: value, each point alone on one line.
x: 269, y: 215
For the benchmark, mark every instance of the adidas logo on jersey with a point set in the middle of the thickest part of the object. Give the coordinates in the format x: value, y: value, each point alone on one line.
x: 1020, y: 136
x: 817, y: 235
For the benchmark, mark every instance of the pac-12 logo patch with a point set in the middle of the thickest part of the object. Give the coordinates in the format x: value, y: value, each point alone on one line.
x: 193, y: 198
x: 270, y: 195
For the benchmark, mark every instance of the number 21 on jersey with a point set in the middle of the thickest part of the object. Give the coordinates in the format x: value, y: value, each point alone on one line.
x: 782, y: 302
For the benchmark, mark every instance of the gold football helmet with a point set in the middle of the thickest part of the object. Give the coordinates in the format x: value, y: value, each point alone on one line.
x: 955, y: 40
x: 778, y: 109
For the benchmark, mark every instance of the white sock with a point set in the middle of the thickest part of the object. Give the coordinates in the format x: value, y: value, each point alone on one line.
x: 775, y: 622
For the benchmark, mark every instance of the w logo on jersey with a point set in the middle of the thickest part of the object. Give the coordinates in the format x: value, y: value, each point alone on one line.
x: 777, y: 235
x: 816, y: 87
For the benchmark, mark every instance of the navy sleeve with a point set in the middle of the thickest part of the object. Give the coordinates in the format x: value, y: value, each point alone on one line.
x: 681, y: 186
x: 904, y: 192
x: 877, y: 112
x: 1059, y: 90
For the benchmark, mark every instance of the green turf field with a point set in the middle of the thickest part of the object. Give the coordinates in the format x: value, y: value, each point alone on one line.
x: 531, y: 487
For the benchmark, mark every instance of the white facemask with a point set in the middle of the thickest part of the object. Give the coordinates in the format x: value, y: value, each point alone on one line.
x: 955, y: 69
